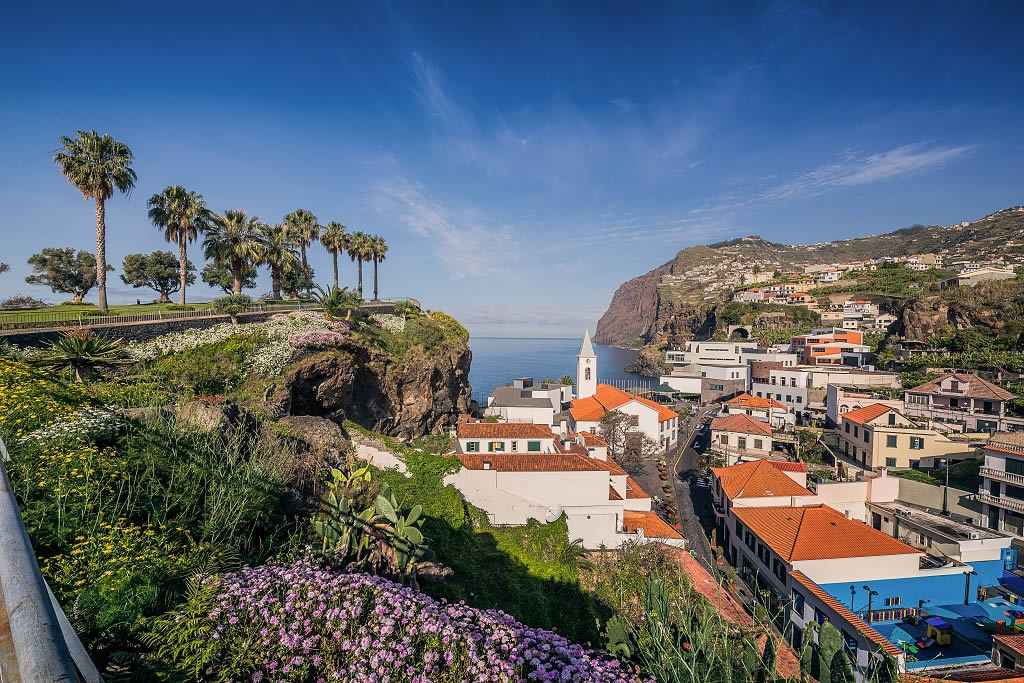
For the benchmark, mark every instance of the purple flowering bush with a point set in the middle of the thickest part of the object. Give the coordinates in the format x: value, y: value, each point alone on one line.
x: 317, y: 339
x: 306, y: 623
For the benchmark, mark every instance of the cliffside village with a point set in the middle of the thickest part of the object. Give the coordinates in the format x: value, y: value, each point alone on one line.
x: 931, y: 575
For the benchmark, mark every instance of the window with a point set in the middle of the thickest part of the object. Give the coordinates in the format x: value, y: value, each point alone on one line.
x: 533, y: 446
x: 916, y: 443
x: 716, y: 387
x: 1014, y: 492
x: 758, y: 444
x: 586, y: 374
x: 724, y: 439
x: 867, y: 436
x: 496, y: 447
x: 798, y: 601
x: 890, y: 462
x: 855, y: 430
x: 741, y: 442
x: 1014, y: 466
x: 847, y: 427
x: 472, y: 446
x: 890, y: 441
x: 789, y: 398
x: 515, y: 446
x: 799, y: 400
x: 892, y: 419
x: 954, y: 385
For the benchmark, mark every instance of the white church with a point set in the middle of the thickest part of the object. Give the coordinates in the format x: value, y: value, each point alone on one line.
x: 593, y: 400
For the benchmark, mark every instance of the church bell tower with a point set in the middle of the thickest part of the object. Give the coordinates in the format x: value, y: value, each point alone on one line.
x: 586, y: 369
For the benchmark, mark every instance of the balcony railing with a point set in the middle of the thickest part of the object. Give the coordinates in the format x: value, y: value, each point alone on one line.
x: 1001, y: 475
x: 1001, y: 501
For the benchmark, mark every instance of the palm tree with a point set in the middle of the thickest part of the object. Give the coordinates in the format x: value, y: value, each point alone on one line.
x: 235, y: 238
x: 378, y: 250
x: 182, y: 215
x: 359, y: 250
x: 278, y: 253
x: 97, y: 165
x: 304, y: 230
x: 335, y: 238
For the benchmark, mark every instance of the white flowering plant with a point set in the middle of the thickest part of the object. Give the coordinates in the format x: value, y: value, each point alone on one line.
x: 85, y: 425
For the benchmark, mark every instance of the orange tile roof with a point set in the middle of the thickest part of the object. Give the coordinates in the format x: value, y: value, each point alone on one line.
x: 663, y: 412
x: 633, y: 490
x: 866, y: 414
x: 1011, y: 642
x: 652, y: 525
x: 613, y: 494
x: 504, y: 430
x: 609, y: 466
x: 757, y: 479
x: 818, y: 533
x: 606, y: 398
x: 741, y: 423
x: 748, y: 401
x: 786, y: 466
x: 592, y: 439
x: 531, y: 462
x: 848, y: 616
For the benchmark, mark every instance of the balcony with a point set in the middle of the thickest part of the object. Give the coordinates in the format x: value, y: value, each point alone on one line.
x: 1000, y: 475
x: 1001, y: 501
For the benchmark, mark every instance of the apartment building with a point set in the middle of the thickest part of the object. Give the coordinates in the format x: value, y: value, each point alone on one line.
x: 843, y: 398
x: 767, y: 410
x: 741, y: 435
x: 825, y: 346
x: 1001, y: 491
x: 964, y: 400
x: 517, y: 437
x: 878, y: 435
x: 525, y: 401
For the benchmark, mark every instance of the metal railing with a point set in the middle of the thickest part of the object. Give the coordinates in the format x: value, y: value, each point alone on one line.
x: 28, y: 322
x: 37, y: 643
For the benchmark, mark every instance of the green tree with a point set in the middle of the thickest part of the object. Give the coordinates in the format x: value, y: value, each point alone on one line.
x: 4, y: 267
x: 232, y: 304
x: 335, y: 300
x: 158, y: 271
x: 614, y: 426
x: 278, y: 254
x: 335, y: 239
x: 217, y: 273
x: 182, y: 215
x: 97, y: 165
x: 64, y: 271
x: 360, y: 250
x: 566, y: 379
x: 378, y: 250
x: 304, y: 228
x: 235, y: 239
x: 293, y: 281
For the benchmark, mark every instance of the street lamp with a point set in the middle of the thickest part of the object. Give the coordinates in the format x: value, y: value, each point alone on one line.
x: 967, y: 585
x: 853, y: 594
x: 871, y: 594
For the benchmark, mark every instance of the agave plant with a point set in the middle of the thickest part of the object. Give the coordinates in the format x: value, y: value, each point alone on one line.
x: 83, y: 353
x: 335, y: 300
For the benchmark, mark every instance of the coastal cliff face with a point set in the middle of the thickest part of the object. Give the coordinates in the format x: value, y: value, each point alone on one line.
x: 420, y: 394
x: 633, y: 311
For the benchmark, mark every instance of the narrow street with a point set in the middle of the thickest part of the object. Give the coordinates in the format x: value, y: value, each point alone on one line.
x: 690, y: 498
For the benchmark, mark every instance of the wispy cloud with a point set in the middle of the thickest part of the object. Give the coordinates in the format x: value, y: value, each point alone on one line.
x: 856, y: 169
x: 429, y: 88
x: 624, y: 104
x: 465, y: 241
x: 852, y: 168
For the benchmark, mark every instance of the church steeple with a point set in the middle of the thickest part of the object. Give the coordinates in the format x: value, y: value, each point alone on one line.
x: 586, y: 369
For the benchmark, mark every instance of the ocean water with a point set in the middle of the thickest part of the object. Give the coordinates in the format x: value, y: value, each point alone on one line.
x: 497, y: 361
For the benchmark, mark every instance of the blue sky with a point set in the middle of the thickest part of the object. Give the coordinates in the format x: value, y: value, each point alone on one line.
x: 521, y: 159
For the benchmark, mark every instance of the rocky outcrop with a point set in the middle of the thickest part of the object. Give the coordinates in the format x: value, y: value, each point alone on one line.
x: 990, y: 305
x: 420, y: 394
x: 648, y: 365
x: 632, y: 313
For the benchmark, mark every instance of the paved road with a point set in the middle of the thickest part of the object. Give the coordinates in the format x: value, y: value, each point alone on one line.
x: 690, y: 498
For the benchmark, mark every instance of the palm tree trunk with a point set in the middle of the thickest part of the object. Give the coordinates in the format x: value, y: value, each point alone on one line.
x: 236, y: 276
x: 360, y: 262
x: 375, y: 280
x: 101, y: 254
x: 305, y: 271
x: 335, y: 255
x: 183, y: 264
x: 275, y: 280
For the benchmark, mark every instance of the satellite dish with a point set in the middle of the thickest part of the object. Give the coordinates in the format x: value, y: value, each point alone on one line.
x: 554, y: 513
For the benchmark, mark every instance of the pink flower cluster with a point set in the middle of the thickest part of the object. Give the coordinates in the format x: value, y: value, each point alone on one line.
x: 306, y: 623
x: 316, y: 339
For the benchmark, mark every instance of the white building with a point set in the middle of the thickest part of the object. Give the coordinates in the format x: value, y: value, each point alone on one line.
x: 767, y: 410
x: 586, y: 369
x: 740, y: 436
x: 489, y: 437
x: 524, y: 401
x: 842, y: 398
x: 602, y: 504
x: 1002, y: 489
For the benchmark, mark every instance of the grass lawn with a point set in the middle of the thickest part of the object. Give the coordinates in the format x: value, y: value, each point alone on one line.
x: 71, y: 310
